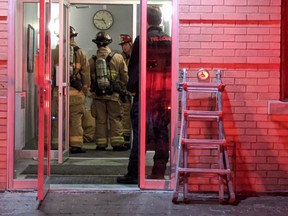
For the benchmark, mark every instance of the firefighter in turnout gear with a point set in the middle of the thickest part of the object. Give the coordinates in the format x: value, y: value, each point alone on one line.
x: 126, y: 45
x: 109, y: 76
x: 79, y: 83
x: 80, y: 71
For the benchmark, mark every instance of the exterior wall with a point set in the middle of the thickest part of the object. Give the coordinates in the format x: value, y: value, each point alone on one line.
x: 3, y: 91
x: 242, y: 38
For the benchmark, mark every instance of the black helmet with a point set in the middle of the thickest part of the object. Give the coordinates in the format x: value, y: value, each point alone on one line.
x: 73, y: 32
x: 102, y: 39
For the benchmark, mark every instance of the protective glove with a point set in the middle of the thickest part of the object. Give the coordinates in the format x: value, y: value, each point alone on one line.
x: 85, y: 91
x: 122, y: 97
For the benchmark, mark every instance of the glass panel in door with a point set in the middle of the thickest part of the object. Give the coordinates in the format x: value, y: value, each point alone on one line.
x: 26, y: 90
x: 60, y: 106
x: 156, y: 92
x: 44, y: 77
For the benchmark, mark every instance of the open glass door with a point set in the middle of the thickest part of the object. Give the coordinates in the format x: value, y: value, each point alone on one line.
x: 56, y: 98
x: 44, y: 77
x: 60, y: 70
x: 158, y: 98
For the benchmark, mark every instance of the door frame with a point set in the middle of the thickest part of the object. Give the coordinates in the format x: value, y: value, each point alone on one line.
x: 148, y: 183
x: 144, y: 183
x: 44, y: 97
x: 12, y: 22
x: 63, y: 88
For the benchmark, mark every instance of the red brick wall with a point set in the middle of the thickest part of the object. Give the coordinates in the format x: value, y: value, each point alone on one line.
x: 242, y: 38
x: 3, y: 91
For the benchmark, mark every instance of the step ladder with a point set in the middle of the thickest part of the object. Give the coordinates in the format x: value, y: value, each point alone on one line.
x: 183, y: 172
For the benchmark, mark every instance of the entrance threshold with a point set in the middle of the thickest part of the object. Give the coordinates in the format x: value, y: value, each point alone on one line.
x: 94, y: 187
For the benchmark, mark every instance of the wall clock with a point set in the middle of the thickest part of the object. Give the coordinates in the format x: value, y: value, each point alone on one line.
x: 103, y: 19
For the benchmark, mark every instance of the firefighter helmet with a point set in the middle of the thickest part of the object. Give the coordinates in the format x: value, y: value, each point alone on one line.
x: 125, y: 38
x: 73, y: 32
x: 102, y: 38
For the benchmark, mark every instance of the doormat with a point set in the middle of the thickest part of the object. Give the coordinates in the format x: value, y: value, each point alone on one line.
x: 78, y: 170
x: 92, y: 153
x: 94, y: 170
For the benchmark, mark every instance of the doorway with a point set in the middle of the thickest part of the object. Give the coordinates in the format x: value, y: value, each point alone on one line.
x: 97, y: 168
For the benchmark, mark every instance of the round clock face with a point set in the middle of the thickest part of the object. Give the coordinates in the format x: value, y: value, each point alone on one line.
x: 103, y: 19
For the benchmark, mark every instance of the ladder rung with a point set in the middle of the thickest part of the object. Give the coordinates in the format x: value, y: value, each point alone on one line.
x: 204, y: 141
x: 202, y: 146
x: 202, y: 90
x: 203, y: 114
x: 204, y: 171
x: 205, y: 87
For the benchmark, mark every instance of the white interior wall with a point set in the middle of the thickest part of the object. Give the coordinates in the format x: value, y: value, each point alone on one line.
x: 82, y: 20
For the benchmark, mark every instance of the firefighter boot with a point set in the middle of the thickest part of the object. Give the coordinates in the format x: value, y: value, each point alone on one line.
x: 127, y: 142
x: 132, y: 176
x: 158, y: 171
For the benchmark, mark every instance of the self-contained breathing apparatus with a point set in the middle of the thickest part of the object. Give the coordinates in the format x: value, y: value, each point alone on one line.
x: 101, y: 78
x: 75, y: 81
x: 102, y: 82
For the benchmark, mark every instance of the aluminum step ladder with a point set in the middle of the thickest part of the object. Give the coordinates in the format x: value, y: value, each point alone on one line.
x: 183, y: 172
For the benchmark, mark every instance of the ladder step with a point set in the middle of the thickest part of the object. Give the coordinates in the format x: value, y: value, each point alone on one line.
x: 202, y: 146
x: 204, y: 171
x: 204, y: 141
x: 203, y: 114
x: 203, y: 87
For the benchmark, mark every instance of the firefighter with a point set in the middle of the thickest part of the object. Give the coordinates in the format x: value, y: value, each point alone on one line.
x: 80, y: 70
x: 106, y: 106
x: 79, y: 83
x: 126, y: 45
